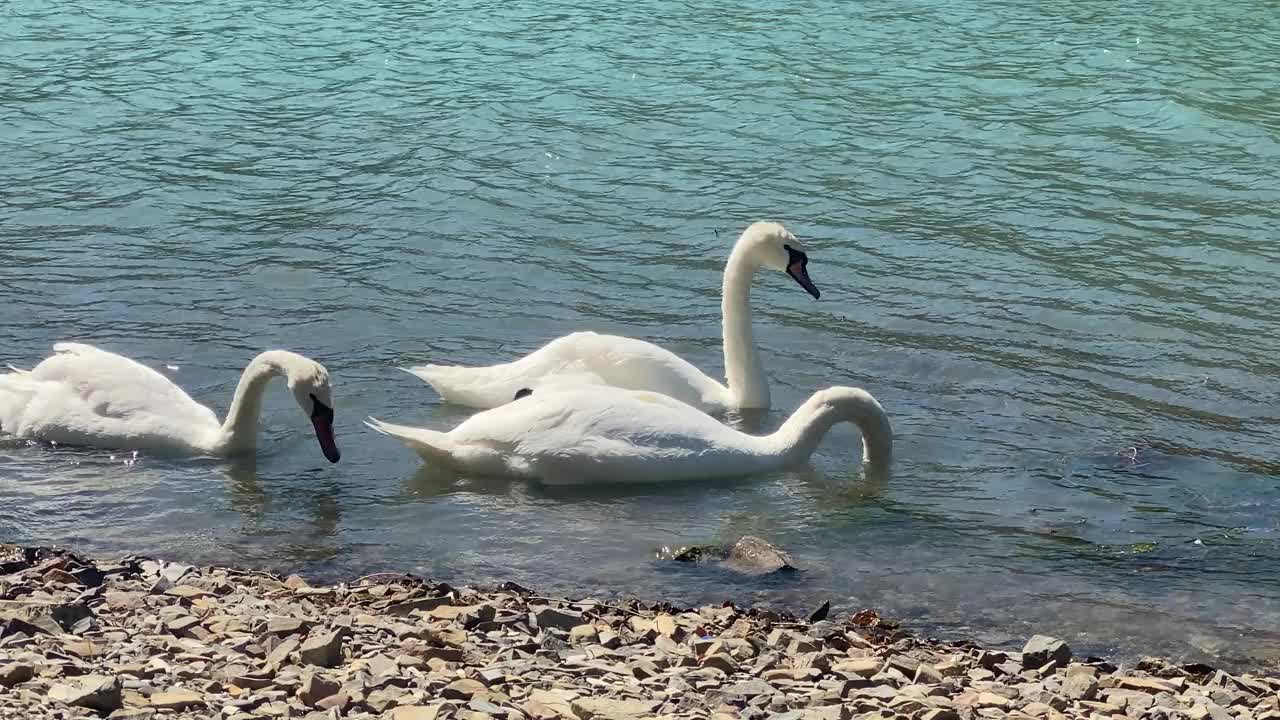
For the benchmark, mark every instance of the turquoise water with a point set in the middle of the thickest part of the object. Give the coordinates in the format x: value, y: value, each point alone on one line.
x: 1044, y: 235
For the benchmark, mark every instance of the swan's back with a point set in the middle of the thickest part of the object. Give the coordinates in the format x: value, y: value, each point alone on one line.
x: 84, y: 395
x: 607, y: 434
x: 609, y: 360
x: 631, y: 364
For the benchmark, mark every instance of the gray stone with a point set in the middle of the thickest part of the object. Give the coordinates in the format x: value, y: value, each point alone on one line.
x: 753, y: 556
x: 750, y: 688
x: 96, y: 692
x: 315, y: 688
x: 1041, y: 650
x: 549, y: 617
x: 927, y: 675
x: 722, y: 662
x: 285, y: 626
x: 173, y: 572
x: 463, y: 689
x: 15, y: 673
x: 601, y: 708
x: 177, y: 700
x: 1036, y: 693
x: 383, y: 698
x: 415, y: 712
x: 423, y: 604
x: 1080, y: 686
x: 280, y: 654
x: 133, y: 714
x: 321, y: 649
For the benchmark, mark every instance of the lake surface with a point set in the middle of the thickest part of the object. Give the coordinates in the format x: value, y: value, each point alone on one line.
x: 1044, y: 232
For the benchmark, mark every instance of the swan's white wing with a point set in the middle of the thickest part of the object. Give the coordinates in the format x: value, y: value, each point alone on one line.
x: 84, y: 395
x: 606, y: 434
x: 581, y: 357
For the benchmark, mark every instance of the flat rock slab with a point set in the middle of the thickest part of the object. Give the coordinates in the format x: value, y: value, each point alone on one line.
x: 96, y: 692
x: 177, y: 700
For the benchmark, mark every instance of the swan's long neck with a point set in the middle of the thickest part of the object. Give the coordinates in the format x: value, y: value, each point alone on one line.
x: 799, y: 436
x: 240, y: 429
x: 744, y: 374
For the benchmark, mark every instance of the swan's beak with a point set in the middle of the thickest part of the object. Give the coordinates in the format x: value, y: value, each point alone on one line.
x: 797, y: 268
x: 322, y: 421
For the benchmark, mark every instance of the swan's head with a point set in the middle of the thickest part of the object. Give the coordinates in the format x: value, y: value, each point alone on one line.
x: 770, y: 245
x: 309, y: 382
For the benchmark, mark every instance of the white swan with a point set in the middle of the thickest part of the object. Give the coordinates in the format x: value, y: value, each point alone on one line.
x: 82, y: 395
x: 638, y: 365
x: 596, y: 435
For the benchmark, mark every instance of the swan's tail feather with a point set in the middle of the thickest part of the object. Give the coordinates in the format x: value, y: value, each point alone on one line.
x: 494, y: 385
x: 16, y: 369
x: 477, y: 387
x: 430, y: 444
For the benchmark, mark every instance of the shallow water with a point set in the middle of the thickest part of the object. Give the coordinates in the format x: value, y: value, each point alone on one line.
x: 1044, y: 235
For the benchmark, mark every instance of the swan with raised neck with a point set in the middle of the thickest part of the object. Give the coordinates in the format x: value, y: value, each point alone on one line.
x: 589, y: 358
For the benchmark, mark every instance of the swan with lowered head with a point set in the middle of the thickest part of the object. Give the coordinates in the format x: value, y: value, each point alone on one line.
x: 598, y: 435
x: 638, y: 365
x: 82, y: 395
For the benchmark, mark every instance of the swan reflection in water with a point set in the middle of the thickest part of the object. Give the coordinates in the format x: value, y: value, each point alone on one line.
x: 308, y: 530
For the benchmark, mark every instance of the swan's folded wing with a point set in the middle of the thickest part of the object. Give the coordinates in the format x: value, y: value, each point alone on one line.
x: 99, y: 383
x: 600, y: 434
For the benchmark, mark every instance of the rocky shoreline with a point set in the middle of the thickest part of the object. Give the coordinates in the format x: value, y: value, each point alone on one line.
x: 140, y: 638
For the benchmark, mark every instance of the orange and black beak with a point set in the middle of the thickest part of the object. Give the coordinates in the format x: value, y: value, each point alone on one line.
x: 322, y: 420
x: 797, y: 268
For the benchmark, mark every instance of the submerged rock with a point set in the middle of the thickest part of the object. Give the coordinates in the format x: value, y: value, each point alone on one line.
x: 754, y: 556
x: 750, y: 556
